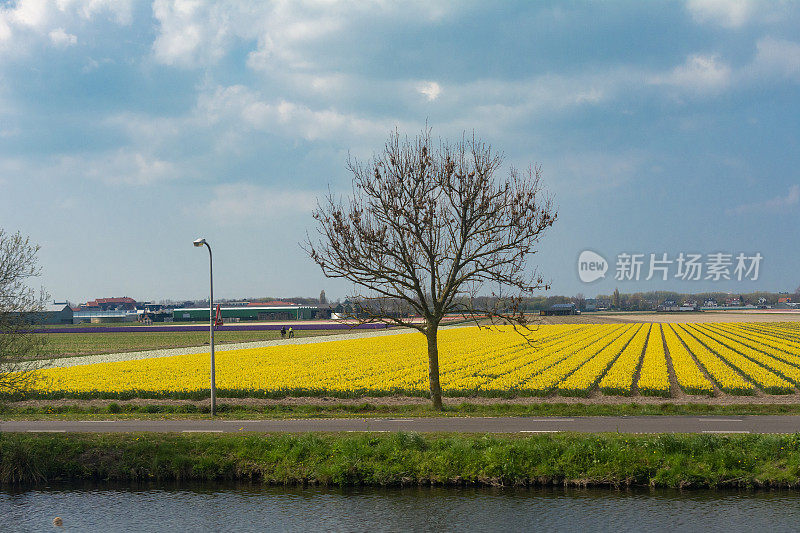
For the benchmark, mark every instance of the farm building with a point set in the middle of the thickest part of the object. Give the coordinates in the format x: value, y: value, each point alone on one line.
x: 265, y: 312
x: 560, y: 309
x: 54, y: 313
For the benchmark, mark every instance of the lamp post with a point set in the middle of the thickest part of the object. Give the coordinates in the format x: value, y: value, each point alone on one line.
x: 201, y: 242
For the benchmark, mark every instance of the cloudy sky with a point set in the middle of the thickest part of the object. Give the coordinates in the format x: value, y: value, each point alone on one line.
x: 127, y: 129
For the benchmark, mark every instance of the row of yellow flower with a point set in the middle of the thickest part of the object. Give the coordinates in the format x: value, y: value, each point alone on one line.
x: 722, y: 373
x: 569, y: 359
x: 688, y: 375
x: 541, y: 360
x: 760, y: 352
x: 754, y: 365
x: 544, y: 382
x: 769, y: 340
x: 619, y: 378
x: 583, y: 378
x: 789, y: 332
x: 654, y: 374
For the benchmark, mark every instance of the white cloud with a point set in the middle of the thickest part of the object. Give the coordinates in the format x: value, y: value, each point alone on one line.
x: 121, y: 10
x: 62, y: 39
x: 26, y: 22
x: 7, y: 133
x: 195, y: 33
x: 541, y: 93
x: 5, y: 29
x: 21, y: 18
x: 241, y: 106
x: 589, y: 172
x: 94, y: 64
x: 121, y: 167
x: 239, y: 202
x: 126, y: 167
x: 430, y: 89
x: 774, y: 205
x: 700, y: 73
x: 777, y: 57
x: 69, y: 204
x: 725, y: 13
x: 191, y: 32
x: 31, y: 13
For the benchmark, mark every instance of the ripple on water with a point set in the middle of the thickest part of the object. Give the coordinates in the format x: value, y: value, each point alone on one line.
x: 257, y: 508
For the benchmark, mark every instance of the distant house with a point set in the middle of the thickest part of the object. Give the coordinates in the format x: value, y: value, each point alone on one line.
x: 602, y: 304
x: 107, y: 310
x: 110, y: 304
x: 671, y: 306
x: 342, y: 311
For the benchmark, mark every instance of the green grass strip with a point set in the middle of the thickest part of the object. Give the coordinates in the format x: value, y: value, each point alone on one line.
x: 678, y: 461
x: 113, y: 410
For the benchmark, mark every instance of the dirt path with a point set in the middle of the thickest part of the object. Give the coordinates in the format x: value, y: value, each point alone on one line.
x: 63, y: 362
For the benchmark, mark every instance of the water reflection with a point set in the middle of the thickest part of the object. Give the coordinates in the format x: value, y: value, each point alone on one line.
x: 259, y: 508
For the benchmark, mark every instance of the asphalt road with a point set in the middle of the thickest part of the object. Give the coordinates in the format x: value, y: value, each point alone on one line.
x: 599, y: 424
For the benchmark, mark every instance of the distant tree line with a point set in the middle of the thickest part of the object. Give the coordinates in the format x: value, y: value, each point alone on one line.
x: 646, y: 301
x: 637, y: 301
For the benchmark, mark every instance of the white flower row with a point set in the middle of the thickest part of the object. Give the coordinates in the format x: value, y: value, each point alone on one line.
x: 62, y: 362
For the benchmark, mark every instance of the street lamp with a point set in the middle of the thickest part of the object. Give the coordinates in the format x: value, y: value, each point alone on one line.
x: 201, y: 242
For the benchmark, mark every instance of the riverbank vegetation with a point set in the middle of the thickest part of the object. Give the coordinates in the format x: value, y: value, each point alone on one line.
x: 678, y: 461
x: 113, y: 410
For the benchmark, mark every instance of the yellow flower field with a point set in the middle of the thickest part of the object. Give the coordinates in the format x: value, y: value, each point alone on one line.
x: 559, y: 359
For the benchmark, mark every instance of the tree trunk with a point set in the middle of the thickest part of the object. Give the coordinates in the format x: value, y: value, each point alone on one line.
x: 433, y: 367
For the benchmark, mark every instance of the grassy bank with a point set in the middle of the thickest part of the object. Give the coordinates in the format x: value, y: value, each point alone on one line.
x: 407, y: 459
x: 138, y: 410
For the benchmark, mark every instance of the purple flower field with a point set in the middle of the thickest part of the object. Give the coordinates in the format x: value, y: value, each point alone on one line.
x: 260, y: 327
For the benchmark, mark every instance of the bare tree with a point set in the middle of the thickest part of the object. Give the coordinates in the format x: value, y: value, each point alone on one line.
x: 427, y: 228
x: 19, y: 307
x: 580, y: 301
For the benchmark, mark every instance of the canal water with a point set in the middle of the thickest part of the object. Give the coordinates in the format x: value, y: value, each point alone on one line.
x: 244, y: 508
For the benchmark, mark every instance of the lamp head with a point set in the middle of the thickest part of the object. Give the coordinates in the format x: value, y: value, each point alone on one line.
x: 199, y: 242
